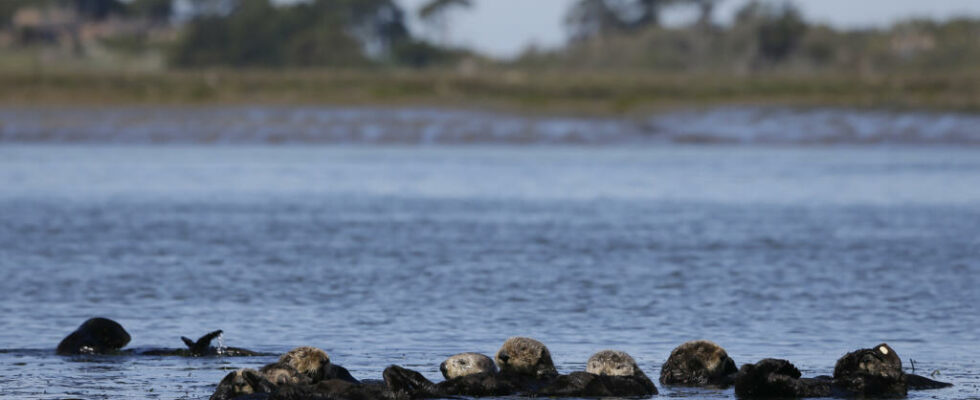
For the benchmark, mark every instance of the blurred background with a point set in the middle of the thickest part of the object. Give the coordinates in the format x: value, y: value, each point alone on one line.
x: 598, y: 56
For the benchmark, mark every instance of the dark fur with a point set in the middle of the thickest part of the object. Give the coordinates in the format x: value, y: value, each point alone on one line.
x: 202, y: 348
x: 772, y: 378
x: 584, y: 384
x: 688, y: 365
x: 236, y: 383
x: 404, y: 382
x: 871, y: 373
x: 95, y: 336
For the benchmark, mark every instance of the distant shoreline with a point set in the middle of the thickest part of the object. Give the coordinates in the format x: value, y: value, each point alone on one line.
x: 543, y: 93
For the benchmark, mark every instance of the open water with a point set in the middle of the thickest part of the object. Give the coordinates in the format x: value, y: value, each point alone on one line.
x: 405, y: 255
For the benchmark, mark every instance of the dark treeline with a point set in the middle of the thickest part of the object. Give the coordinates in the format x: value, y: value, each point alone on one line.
x: 603, y: 35
x: 765, y: 36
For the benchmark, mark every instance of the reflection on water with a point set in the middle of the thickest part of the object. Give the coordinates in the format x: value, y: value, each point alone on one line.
x: 389, y: 255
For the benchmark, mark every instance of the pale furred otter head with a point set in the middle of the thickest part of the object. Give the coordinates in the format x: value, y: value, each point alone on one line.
x: 309, y: 361
x: 525, y: 356
x: 464, y: 364
x: 241, y: 382
x: 613, y: 363
x: 698, y: 363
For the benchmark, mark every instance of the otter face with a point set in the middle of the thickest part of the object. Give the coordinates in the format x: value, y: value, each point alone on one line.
x: 525, y: 356
x: 466, y: 364
x: 612, y: 363
x: 698, y: 362
x: 307, y: 360
x: 282, y: 374
x: 880, y: 361
x: 241, y: 382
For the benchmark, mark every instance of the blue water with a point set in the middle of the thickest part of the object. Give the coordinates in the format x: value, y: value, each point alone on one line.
x: 405, y: 255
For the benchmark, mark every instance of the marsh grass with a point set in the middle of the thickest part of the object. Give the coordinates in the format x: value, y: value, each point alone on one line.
x: 600, y: 93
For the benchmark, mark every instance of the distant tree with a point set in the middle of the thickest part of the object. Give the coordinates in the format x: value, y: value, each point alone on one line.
x: 706, y: 9
x: 317, y: 33
x: 779, y: 28
x: 591, y: 18
x: 98, y: 9
x: 649, y: 12
x: 434, y: 13
x: 155, y: 10
x: 200, y: 8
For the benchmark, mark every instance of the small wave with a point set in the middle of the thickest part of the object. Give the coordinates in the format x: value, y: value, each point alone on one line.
x: 375, y: 125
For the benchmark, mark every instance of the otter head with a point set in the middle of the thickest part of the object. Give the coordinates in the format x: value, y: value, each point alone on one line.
x: 525, y: 356
x: 241, y: 382
x: 97, y: 335
x: 464, y: 364
x: 698, y: 362
x: 612, y: 363
x: 880, y: 361
x: 309, y: 361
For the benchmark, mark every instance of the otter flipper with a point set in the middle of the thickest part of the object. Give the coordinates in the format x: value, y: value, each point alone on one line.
x: 406, y: 381
x: 203, y: 345
x: 918, y: 382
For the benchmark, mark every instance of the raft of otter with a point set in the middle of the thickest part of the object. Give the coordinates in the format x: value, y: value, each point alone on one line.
x: 523, y: 367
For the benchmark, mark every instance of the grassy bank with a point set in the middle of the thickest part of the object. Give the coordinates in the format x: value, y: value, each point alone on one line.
x: 577, y: 92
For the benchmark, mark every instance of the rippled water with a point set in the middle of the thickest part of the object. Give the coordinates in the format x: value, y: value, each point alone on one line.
x: 406, y: 255
x: 373, y: 125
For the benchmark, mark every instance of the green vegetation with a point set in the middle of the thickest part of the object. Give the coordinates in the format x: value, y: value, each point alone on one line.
x: 619, y: 57
x: 514, y: 90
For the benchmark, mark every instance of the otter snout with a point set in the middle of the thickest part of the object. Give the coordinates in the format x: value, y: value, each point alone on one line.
x: 503, y: 356
x: 444, y: 370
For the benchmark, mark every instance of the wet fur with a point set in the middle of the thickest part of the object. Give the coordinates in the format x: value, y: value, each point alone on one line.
x: 94, y: 336
x: 525, y: 356
x: 608, y: 373
x: 698, y: 363
x: 240, y: 383
x: 464, y: 364
x: 774, y: 378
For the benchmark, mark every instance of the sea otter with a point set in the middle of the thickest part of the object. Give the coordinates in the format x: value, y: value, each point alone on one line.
x: 878, y: 372
x: 105, y: 336
x: 95, y: 336
x: 608, y: 373
x: 525, y: 366
x: 698, y: 363
x: 778, y: 378
x: 241, y: 383
x: 467, y: 374
x: 201, y: 348
x: 301, y: 373
x: 873, y: 372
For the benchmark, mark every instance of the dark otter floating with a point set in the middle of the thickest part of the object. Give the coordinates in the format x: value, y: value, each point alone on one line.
x: 526, y: 369
x: 105, y: 336
x: 699, y: 363
x: 875, y: 372
x: 95, y: 336
x: 202, y: 348
x: 302, y: 373
x: 608, y: 373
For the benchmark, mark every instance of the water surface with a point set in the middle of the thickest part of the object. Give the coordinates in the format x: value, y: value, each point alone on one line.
x: 405, y: 255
